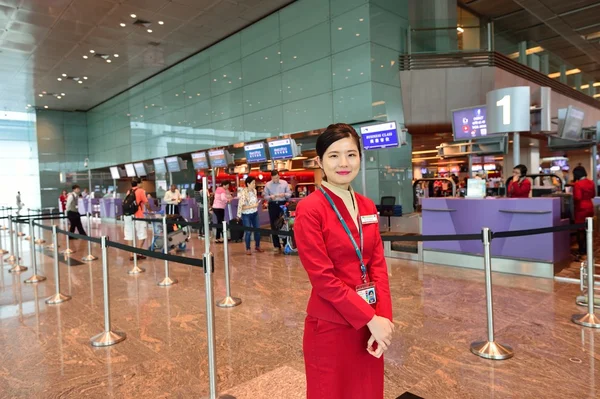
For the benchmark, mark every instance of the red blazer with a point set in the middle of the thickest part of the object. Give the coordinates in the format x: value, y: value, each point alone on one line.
x: 333, y: 268
x: 583, y: 193
x: 520, y: 189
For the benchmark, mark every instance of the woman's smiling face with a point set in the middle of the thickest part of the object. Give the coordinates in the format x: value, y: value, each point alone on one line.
x: 341, y: 162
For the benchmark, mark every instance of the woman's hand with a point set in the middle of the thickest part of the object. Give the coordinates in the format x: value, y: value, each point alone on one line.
x: 515, y: 179
x: 381, y: 330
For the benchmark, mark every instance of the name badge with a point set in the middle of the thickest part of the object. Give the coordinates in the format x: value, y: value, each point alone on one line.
x: 367, y: 292
x: 369, y: 219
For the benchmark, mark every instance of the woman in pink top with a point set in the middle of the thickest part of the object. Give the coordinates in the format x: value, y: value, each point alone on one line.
x: 222, y: 198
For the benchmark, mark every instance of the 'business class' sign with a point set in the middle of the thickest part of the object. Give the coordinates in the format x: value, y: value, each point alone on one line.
x: 382, y: 135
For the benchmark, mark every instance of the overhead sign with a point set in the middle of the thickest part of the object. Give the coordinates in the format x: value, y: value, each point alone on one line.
x: 283, y: 149
x: 508, y: 110
x: 114, y: 172
x: 173, y: 164
x: 382, y: 135
x: 140, y: 169
x: 571, y: 124
x: 199, y: 160
x: 130, y: 170
x: 469, y: 123
x: 218, y: 159
x: 159, y: 166
x: 255, y: 153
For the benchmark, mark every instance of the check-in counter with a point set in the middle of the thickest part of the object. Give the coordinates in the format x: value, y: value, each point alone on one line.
x: 540, y: 255
x: 263, y: 212
x: 88, y: 205
x: 111, y: 208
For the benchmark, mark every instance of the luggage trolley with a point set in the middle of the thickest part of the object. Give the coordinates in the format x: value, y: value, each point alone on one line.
x: 287, y: 224
x: 177, y: 236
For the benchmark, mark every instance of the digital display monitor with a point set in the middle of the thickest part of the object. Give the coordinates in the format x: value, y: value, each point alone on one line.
x: 173, y: 164
x: 159, y: 166
x: 282, y: 149
x: 382, y: 135
x: 255, y: 153
x: 476, y: 188
x: 572, y: 125
x: 199, y: 160
x: 114, y: 172
x: 140, y: 169
x: 130, y: 170
x: 469, y: 123
x: 217, y: 158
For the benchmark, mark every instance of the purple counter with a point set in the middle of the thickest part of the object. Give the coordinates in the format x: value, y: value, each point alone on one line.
x: 111, y: 207
x: 468, y: 216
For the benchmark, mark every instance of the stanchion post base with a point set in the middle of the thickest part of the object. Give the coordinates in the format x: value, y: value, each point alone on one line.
x: 51, y: 247
x: 40, y: 241
x: 136, y: 270
x: 586, y: 320
x: 17, y: 269
x: 229, y: 302
x: 58, y: 298
x: 492, y: 350
x: 20, y: 234
x: 89, y: 258
x: 67, y: 251
x: 167, y: 282
x: 12, y: 259
x: 35, y: 279
x: 107, y: 338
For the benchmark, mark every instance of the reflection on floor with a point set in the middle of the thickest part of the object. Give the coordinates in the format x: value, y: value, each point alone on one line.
x: 439, y: 311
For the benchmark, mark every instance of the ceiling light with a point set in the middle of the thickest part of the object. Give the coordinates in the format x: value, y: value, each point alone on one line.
x: 459, y: 29
x: 149, y: 30
x: 45, y: 106
x: 79, y: 81
x: 63, y: 94
x: 569, y: 72
x: 161, y: 22
x: 85, y: 77
x: 64, y: 75
x: 596, y: 95
x: 362, y: 19
x: 29, y: 105
x: 41, y: 95
x: 133, y: 16
x: 109, y: 61
x: 340, y: 28
x: 59, y: 97
x: 59, y: 79
x: 116, y: 55
x: 123, y: 24
x: 85, y: 57
x: 92, y: 51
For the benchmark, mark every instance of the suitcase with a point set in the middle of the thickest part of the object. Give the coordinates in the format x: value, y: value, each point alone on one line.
x: 236, y: 235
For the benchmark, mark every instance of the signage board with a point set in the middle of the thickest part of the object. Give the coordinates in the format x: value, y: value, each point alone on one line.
x: 508, y: 110
x: 255, y: 153
x: 114, y: 172
x: 570, y: 127
x: 130, y: 170
x: 379, y: 136
x: 173, y: 164
x: 469, y: 123
x: 159, y: 166
x: 282, y: 149
x: 199, y: 160
x: 218, y: 158
x: 140, y: 169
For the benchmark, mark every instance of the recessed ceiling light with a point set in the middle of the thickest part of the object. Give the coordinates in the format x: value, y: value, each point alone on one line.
x: 161, y: 22
x: 109, y: 61
x: 92, y: 51
x: 340, y: 28
x: 362, y: 19
x: 59, y: 79
x: 85, y: 57
x: 29, y: 105
x: 358, y: 34
x: 85, y: 77
x: 116, y: 55
x: 79, y: 81
x: 41, y: 95
x: 63, y: 94
x: 64, y: 75
x: 59, y: 97
x: 45, y: 106
x: 133, y: 16
x: 123, y: 24
x: 149, y: 30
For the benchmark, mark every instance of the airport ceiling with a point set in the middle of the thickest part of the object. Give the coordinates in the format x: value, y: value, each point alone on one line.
x: 44, y: 44
x: 568, y: 28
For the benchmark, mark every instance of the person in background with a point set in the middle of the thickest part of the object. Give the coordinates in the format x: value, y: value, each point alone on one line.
x: 73, y: 213
x: 109, y: 194
x: 248, y: 212
x: 199, y: 197
x: 19, y: 203
x: 85, y: 194
x: 277, y: 192
x: 63, y: 201
x: 141, y: 227
x: 172, y: 200
x: 583, y: 195
x: 222, y: 198
x: 519, y: 186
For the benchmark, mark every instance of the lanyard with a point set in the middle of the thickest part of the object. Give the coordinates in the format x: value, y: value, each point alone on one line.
x: 363, y: 268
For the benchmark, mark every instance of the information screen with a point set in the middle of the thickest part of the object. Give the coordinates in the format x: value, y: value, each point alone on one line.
x: 114, y: 172
x: 199, y: 160
x: 159, y: 166
x: 255, y: 153
x: 571, y: 129
x: 217, y: 158
x: 382, y: 135
x: 469, y: 123
x: 130, y: 170
x: 140, y: 169
x: 173, y: 164
x: 281, y: 149
x: 476, y: 188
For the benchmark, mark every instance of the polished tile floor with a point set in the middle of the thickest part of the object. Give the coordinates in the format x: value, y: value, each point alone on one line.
x: 438, y: 311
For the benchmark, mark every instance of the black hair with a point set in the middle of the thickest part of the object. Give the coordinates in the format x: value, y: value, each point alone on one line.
x: 197, y: 186
x: 249, y: 180
x: 134, y: 182
x: 225, y: 183
x: 579, y: 173
x: 333, y: 133
x: 522, y: 169
x: 274, y: 173
x: 75, y: 187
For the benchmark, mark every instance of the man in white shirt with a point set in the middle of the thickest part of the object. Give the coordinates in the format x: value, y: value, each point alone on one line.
x: 172, y: 199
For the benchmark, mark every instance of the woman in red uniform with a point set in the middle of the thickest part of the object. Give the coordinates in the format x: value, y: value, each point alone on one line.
x: 519, y: 186
x: 583, y: 194
x: 348, y: 326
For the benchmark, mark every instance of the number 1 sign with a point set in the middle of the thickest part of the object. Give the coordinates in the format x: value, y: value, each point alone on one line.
x: 508, y: 110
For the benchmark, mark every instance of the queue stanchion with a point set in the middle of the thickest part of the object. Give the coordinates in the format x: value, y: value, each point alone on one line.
x: 2, y: 250
x: 136, y: 269
x: 35, y: 278
x: 16, y: 267
x: 490, y: 349
x: 107, y: 337
x: 210, y: 306
x: 21, y: 233
x: 2, y: 225
x: 67, y: 251
x: 228, y: 301
x: 40, y: 237
x: 13, y: 256
x: 167, y: 281
x: 589, y: 319
x: 58, y: 297
x: 89, y: 257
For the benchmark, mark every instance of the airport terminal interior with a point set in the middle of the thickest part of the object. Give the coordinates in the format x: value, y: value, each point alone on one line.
x: 478, y: 123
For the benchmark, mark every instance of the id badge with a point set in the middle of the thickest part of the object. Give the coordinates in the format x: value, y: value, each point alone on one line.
x: 367, y: 292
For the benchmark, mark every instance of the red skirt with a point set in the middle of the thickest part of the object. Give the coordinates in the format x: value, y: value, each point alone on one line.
x: 337, y: 363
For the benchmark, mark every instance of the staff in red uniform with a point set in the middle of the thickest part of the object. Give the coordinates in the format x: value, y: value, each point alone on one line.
x: 519, y: 186
x: 348, y: 326
x: 583, y: 194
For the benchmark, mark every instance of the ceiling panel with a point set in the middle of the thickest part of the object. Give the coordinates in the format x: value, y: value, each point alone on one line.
x: 563, y: 6
x: 49, y: 7
x: 494, y: 8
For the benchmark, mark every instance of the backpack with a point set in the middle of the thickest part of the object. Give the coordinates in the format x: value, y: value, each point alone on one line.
x: 130, y: 205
